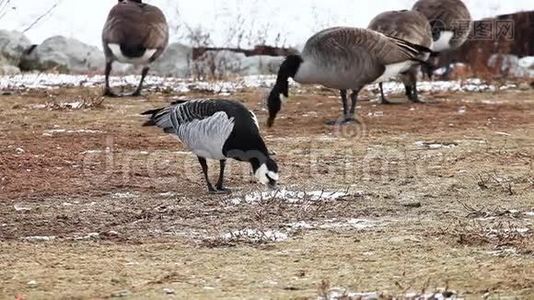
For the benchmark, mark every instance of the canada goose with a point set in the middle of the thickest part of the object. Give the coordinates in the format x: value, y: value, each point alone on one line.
x: 218, y: 129
x: 134, y: 33
x: 410, y: 26
x: 450, y: 21
x: 344, y: 58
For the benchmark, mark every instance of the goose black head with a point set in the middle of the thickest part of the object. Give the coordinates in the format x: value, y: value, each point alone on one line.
x: 281, y: 89
x: 136, y: 1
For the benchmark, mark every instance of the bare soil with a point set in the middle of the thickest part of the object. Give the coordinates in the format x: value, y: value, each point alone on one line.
x: 93, y: 206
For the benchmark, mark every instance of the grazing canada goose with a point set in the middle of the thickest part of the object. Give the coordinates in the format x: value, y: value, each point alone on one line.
x: 134, y: 33
x: 218, y: 129
x: 344, y: 58
x: 450, y: 21
x: 410, y: 26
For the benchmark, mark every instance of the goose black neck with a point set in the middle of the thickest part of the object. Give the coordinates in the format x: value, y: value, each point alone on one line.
x: 288, y: 69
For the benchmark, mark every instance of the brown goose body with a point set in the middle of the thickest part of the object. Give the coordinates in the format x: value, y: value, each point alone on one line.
x: 410, y: 26
x: 407, y: 25
x: 135, y: 33
x: 450, y: 20
x: 345, y: 58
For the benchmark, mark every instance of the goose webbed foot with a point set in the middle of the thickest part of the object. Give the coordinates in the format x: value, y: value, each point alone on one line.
x: 109, y: 93
x: 416, y: 99
x: 385, y: 101
x: 136, y: 94
x: 343, y: 121
x: 222, y: 190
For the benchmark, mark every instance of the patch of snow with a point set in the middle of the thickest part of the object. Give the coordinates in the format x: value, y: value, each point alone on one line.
x: 21, y: 207
x: 340, y: 293
x: 167, y: 194
x: 92, y: 152
x: 289, y: 196
x: 126, y: 195
x: 35, y: 81
x: 39, y: 238
x: 51, y: 132
x: 503, y: 252
x: 358, y: 224
x: 256, y: 235
x: 435, y: 145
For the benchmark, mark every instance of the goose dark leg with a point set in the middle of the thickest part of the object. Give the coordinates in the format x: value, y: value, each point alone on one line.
x: 204, y: 166
x: 345, y: 103
x: 354, y: 100
x: 383, y: 98
x: 220, y: 184
x: 137, y: 92
x: 410, y: 85
x: 414, y: 96
x: 107, y: 88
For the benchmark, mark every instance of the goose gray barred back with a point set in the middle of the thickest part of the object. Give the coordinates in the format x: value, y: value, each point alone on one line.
x: 218, y: 129
x: 451, y: 24
x: 135, y: 33
x: 344, y: 58
x: 410, y: 26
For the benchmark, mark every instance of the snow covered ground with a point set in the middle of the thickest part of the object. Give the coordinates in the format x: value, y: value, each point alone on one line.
x: 33, y: 81
x: 275, y: 22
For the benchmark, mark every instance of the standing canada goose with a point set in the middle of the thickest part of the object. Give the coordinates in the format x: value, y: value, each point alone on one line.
x: 410, y: 26
x: 344, y: 58
x: 134, y: 33
x: 450, y: 21
x: 218, y: 129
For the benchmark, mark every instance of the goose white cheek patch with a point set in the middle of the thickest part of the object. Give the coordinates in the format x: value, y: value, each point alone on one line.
x: 443, y: 43
x: 273, y: 175
x: 261, y: 174
x: 283, y: 98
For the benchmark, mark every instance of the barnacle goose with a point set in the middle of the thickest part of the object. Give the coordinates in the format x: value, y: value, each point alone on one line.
x: 218, y: 129
x: 136, y: 33
x: 410, y: 26
x: 344, y: 58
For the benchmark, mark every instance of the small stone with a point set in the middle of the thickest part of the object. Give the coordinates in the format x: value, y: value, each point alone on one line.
x: 169, y: 291
x: 32, y: 284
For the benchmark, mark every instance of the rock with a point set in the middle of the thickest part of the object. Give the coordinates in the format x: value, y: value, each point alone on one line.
x: 64, y: 55
x: 226, y: 63
x: 169, y: 291
x: 175, y: 62
x: 13, y: 44
x: 511, y: 65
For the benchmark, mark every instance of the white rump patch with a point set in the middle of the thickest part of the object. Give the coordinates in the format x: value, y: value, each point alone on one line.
x: 444, y: 41
x: 143, y: 60
x: 394, y: 70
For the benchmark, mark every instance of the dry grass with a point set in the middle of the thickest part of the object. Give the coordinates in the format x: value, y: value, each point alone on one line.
x: 129, y: 213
